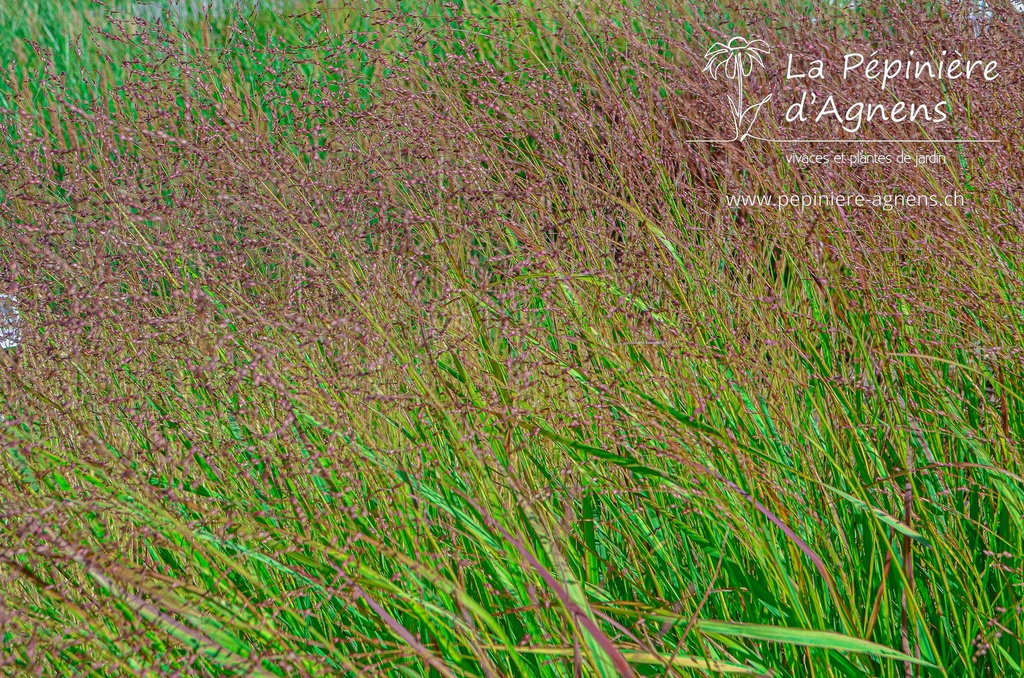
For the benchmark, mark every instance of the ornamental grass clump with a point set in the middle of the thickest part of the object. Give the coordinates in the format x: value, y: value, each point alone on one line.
x: 418, y: 340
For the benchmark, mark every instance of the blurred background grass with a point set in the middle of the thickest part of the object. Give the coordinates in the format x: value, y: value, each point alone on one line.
x: 412, y: 340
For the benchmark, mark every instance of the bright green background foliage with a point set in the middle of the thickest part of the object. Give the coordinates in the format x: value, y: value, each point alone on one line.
x: 438, y: 434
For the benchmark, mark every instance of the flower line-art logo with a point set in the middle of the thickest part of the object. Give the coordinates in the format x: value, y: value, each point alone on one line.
x: 735, y: 60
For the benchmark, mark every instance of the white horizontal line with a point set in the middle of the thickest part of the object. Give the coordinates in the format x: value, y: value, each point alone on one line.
x: 853, y: 141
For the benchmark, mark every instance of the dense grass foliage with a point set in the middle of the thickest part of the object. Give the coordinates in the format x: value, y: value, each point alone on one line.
x: 415, y: 340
